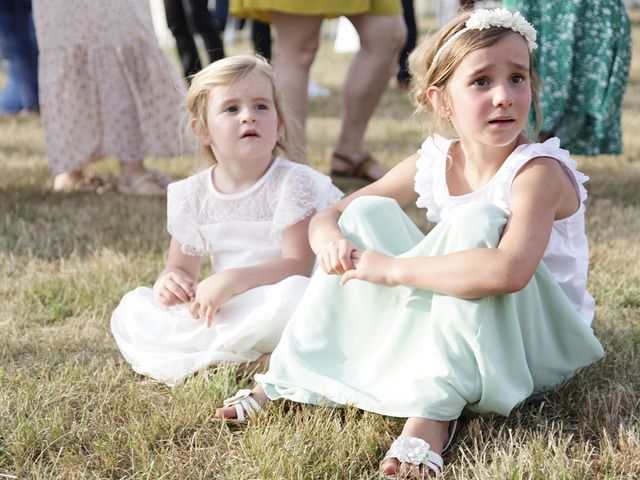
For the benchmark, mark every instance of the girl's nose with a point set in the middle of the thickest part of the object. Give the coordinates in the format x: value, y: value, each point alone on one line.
x: 502, y: 97
x: 247, y: 116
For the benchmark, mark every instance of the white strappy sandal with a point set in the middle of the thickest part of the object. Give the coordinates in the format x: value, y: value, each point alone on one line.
x: 417, y: 452
x: 246, y: 406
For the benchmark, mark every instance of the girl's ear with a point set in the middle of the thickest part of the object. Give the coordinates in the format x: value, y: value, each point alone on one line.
x: 200, y: 131
x: 439, y: 101
x: 280, y: 128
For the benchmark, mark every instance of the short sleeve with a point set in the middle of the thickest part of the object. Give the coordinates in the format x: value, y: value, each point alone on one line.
x: 430, y: 154
x: 302, y: 193
x: 182, y: 219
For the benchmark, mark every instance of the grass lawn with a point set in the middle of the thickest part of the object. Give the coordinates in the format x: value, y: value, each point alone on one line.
x: 70, y: 407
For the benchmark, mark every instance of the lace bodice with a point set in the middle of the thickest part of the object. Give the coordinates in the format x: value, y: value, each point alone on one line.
x: 567, y: 253
x: 245, y: 228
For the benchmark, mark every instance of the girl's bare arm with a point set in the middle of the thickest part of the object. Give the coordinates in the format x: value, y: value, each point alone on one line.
x: 327, y: 241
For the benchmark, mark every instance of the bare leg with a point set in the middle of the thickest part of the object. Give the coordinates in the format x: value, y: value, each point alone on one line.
x: 258, y: 395
x: 296, y: 44
x: 435, y: 433
x: 381, y: 39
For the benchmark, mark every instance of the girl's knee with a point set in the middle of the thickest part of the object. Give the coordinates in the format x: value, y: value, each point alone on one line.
x: 370, y: 207
x: 479, y: 224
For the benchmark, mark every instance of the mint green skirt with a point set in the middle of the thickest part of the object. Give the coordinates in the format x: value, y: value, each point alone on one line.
x: 412, y: 353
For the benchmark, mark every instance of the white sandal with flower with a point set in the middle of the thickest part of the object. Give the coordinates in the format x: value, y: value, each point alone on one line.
x: 416, y: 451
x: 246, y: 406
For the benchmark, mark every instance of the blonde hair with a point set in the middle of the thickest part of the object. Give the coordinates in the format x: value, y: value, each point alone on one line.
x: 225, y: 72
x: 427, y: 73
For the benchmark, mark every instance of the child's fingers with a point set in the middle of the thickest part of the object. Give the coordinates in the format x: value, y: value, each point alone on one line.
x: 346, y: 276
x: 344, y: 254
x: 178, y: 290
x: 209, y: 313
x: 356, y: 255
x: 195, y: 310
x: 167, y: 298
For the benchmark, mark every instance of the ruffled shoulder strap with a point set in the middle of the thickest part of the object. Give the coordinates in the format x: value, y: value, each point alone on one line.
x: 303, y: 191
x: 551, y: 148
x: 429, y: 178
x: 184, y: 202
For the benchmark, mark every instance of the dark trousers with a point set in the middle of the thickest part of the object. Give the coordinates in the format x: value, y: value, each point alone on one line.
x: 412, y: 36
x: 261, y: 38
x: 185, y: 18
x: 18, y: 45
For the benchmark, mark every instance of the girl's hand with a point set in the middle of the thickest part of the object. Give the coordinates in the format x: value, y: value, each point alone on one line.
x: 335, y: 258
x: 210, y: 295
x: 370, y: 266
x: 174, y: 288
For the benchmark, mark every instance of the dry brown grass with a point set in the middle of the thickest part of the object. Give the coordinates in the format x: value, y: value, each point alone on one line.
x: 71, y: 408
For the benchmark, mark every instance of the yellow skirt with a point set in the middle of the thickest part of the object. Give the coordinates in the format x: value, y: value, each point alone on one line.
x: 261, y: 9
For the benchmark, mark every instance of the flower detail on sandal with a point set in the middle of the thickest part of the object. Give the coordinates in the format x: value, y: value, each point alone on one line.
x: 415, y: 451
x: 246, y: 406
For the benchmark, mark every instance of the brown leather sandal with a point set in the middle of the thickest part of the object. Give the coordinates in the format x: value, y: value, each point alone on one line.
x: 143, y: 186
x: 357, y: 168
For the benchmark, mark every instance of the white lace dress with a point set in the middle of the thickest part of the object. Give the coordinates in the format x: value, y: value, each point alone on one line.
x: 235, y: 230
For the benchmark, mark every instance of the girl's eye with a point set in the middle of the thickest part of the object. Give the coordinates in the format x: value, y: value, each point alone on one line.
x: 517, y: 78
x: 262, y: 106
x: 481, y: 82
x: 231, y: 109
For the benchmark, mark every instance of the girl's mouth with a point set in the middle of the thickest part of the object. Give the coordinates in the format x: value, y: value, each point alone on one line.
x: 501, y: 121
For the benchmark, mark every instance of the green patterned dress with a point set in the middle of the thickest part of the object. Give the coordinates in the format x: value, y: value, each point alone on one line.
x: 583, y: 59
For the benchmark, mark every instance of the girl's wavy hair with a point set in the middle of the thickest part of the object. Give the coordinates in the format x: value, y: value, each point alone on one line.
x: 426, y: 73
x: 225, y: 72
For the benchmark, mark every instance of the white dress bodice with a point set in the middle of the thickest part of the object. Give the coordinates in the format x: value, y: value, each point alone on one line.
x: 243, y: 229
x: 567, y: 253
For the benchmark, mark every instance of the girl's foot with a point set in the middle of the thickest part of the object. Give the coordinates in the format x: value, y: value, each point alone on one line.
x: 230, y: 412
x: 436, y: 434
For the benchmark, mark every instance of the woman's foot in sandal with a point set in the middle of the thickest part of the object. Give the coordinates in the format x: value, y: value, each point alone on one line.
x: 77, y: 181
x: 243, y: 405
x: 145, y: 183
x: 362, y: 166
x: 417, y: 452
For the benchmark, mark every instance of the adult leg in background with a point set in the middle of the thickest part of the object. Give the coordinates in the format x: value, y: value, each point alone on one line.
x: 202, y: 22
x: 186, y: 46
x: 404, y: 76
x: 381, y: 39
x: 296, y: 44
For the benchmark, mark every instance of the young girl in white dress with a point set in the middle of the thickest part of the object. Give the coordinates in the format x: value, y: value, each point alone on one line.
x: 487, y: 309
x: 249, y: 212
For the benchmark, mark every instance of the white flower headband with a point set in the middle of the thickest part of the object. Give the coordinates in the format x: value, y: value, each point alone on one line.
x: 498, y: 17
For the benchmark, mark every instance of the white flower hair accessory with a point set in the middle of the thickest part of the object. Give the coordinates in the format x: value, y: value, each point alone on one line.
x: 498, y: 17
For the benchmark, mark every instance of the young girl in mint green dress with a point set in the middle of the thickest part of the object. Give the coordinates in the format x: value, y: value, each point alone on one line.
x: 487, y: 309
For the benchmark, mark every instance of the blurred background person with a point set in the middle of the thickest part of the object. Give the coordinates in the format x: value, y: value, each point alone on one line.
x: 106, y: 89
x: 297, y: 23
x: 409, y: 14
x: 583, y: 59
x: 18, y: 46
x: 186, y: 18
